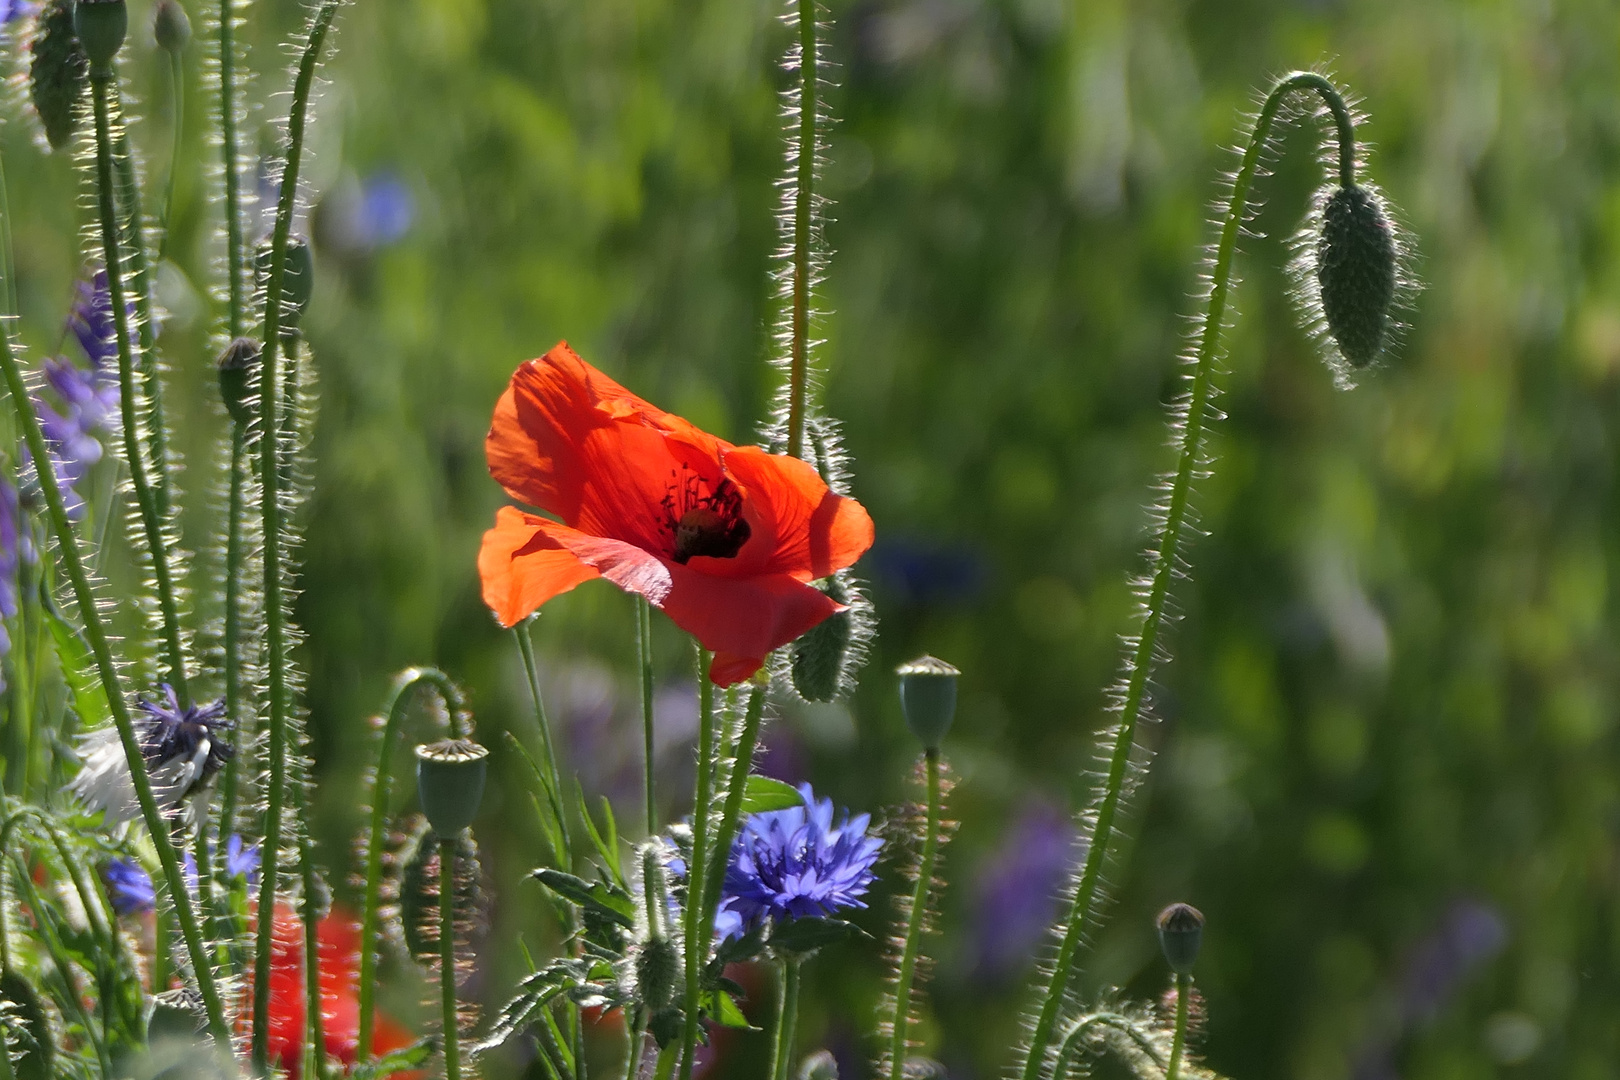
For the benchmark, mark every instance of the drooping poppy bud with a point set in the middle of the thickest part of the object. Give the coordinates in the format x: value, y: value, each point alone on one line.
x: 236, y: 367
x: 297, y: 278
x: 450, y: 783
x: 820, y: 655
x: 658, y: 966
x: 171, y: 26
x: 101, y: 26
x: 57, y: 72
x: 1357, y: 269
x: 1181, y: 933
x: 928, y: 698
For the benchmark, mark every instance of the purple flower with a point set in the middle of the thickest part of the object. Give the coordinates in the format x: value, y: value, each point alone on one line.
x: 797, y: 864
x: 129, y: 887
x: 241, y: 861
x: 182, y: 747
x: 88, y: 396
x: 1015, y: 894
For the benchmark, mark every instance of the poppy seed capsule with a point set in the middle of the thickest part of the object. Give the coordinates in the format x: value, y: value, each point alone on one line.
x: 101, y: 26
x: 171, y: 26
x: 57, y: 72
x: 928, y: 698
x: 1181, y: 933
x: 450, y: 783
x: 297, y: 278
x: 236, y: 367
x: 819, y: 655
x: 1356, y: 267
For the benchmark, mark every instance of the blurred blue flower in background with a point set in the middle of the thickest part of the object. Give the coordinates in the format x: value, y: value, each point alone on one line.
x: 920, y: 573
x: 359, y: 217
x: 130, y: 889
x: 796, y: 864
x: 1015, y: 894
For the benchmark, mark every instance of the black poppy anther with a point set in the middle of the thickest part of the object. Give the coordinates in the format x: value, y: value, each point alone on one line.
x: 709, y: 524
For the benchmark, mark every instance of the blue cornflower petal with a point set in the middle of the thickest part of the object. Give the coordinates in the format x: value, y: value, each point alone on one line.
x: 129, y: 887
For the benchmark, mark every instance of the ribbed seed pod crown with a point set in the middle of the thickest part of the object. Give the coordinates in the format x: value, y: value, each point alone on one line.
x: 450, y: 783
x: 1357, y: 269
x: 57, y: 73
x: 1181, y: 934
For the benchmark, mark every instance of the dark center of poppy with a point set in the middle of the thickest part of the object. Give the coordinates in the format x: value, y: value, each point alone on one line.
x: 703, y: 522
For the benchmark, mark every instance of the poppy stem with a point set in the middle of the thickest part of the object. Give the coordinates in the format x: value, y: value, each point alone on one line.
x: 314, y: 1010
x: 916, y: 919
x: 236, y: 309
x: 787, y: 1018
x: 699, y: 936
x: 552, y: 780
x: 804, y: 206
x: 1082, y: 909
x: 447, y: 959
x: 103, y: 87
x: 270, y: 392
x: 1178, y: 1044
x: 234, y: 560
x: 731, y: 814
x: 644, y: 658
x: 177, y: 103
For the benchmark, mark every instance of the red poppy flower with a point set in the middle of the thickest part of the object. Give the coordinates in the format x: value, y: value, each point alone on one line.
x: 338, y: 940
x: 725, y: 539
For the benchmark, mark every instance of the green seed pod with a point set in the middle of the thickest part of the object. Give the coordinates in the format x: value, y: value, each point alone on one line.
x: 297, y: 278
x: 658, y: 966
x: 176, y: 1014
x: 236, y: 367
x: 1357, y: 269
x: 1181, y: 932
x: 820, y: 1065
x: 171, y: 26
x: 928, y: 698
x: 37, y: 1045
x: 57, y: 72
x: 101, y: 26
x: 820, y: 654
x: 450, y: 783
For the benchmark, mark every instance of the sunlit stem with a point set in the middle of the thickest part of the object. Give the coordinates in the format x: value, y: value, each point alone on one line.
x: 665, y: 1067
x: 270, y: 477
x: 804, y: 208
x: 644, y: 659
x: 554, y: 794
x: 787, y: 1019
x: 1082, y: 909
x: 394, y: 711
x: 107, y: 670
x: 918, y: 918
x: 447, y: 958
x: 698, y: 935
x: 234, y: 262
x: 314, y: 1009
x: 235, y: 556
x: 102, y: 86
x: 177, y: 100
x: 1076, y: 1041
x: 731, y: 813
x: 1179, y: 1042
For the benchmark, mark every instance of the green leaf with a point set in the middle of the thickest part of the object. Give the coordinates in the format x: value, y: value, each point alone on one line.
x: 736, y: 950
x: 607, y: 846
x: 808, y: 935
x: 722, y: 1010
x: 599, y: 896
x: 764, y: 794
x: 534, y: 994
x: 73, y: 655
x: 401, y: 1060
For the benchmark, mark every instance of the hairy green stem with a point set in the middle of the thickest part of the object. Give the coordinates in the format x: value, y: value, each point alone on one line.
x: 1082, y: 909
x: 235, y: 557
x: 394, y: 710
x: 698, y: 936
x: 804, y: 208
x: 1178, y: 1043
x: 447, y: 958
x: 914, y: 928
x: 235, y: 264
x: 314, y: 1009
x: 102, y: 85
x: 731, y: 813
x: 644, y: 659
x: 1074, y: 1041
x: 553, y: 777
x: 270, y: 479
x: 787, y: 1019
x: 177, y: 83
x: 665, y: 1067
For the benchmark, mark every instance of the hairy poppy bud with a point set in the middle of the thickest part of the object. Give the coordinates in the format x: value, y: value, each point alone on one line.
x: 101, y: 26
x: 1181, y: 932
x: 236, y: 367
x: 657, y: 968
x: 57, y: 72
x: 1357, y: 269
x: 171, y: 26
x: 450, y: 783
x: 820, y: 1065
x: 297, y: 278
x: 928, y: 698
x: 819, y: 655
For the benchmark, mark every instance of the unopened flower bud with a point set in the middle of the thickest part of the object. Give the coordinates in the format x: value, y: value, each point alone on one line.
x: 1181, y: 933
x: 820, y: 654
x: 928, y: 698
x: 236, y: 367
x: 1357, y: 269
x: 657, y: 968
x: 450, y: 783
x: 57, y: 72
x: 820, y: 1065
x: 297, y: 278
x: 101, y: 26
x: 171, y: 26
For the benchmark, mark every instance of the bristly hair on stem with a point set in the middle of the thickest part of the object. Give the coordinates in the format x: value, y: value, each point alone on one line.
x: 1125, y: 761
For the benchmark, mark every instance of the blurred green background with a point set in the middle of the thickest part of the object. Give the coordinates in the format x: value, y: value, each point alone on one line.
x: 1389, y: 769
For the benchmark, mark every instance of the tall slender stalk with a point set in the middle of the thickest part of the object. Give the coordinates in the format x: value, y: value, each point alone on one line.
x: 1178, y: 1042
x: 736, y: 787
x: 107, y: 670
x: 698, y: 935
x: 553, y: 777
x: 235, y: 557
x: 447, y: 959
x: 787, y: 1020
x: 314, y: 1010
x: 177, y: 84
x: 1082, y: 909
x: 381, y: 787
x: 918, y: 918
x: 270, y: 479
x: 803, y: 222
x: 644, y: 660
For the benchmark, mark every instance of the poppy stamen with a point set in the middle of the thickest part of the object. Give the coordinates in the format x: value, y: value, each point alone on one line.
x: 704, y: 523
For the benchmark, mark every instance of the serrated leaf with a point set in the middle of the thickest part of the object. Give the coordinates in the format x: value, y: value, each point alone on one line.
x: 401, y: 1060
x: 598, y: 896
x: 534, y: 994
x: 607, y: 846
x: 808, y: 935
x: 763, y: 795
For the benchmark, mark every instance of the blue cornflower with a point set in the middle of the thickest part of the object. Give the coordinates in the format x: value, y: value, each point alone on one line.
x: 182, y: 746
x: 796, y: 864
x: 130, y: 888
x: 241, y: 861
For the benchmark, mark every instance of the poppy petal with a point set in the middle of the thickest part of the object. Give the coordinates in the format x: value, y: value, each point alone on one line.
x: 522, y: 567
x: 743, y: 619
x: 811, y: 531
